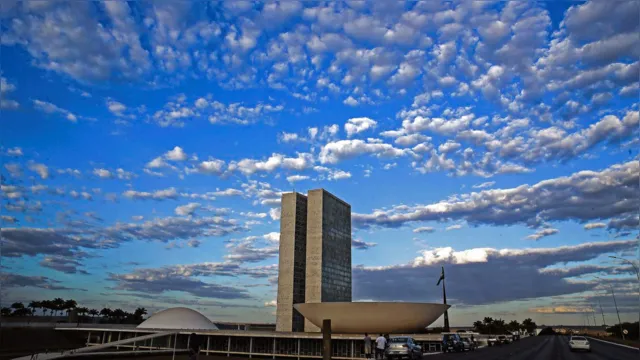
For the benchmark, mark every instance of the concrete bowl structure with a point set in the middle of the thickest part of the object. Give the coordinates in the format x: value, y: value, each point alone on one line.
x: 178, y: 318
x: 372, y: 317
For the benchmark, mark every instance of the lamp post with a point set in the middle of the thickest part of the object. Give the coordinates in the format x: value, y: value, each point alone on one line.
x: 616, y: 305
x: 635, y: 267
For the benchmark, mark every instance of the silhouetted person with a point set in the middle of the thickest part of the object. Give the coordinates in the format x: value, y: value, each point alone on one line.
x: 194, y: 346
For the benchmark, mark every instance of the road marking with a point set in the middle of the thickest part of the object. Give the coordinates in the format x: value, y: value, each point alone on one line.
x: 612, y: 343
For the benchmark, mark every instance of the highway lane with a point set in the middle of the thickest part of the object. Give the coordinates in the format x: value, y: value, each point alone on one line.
x: 544, y: 348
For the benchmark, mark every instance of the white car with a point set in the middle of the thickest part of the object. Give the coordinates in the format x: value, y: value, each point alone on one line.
x: 579, y: 343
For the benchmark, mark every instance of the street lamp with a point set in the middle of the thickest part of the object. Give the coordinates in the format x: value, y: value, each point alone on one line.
x: 616, y: 305
x: 635, y: 267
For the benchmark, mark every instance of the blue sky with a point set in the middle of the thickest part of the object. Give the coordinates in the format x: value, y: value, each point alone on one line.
x: 145, y: 148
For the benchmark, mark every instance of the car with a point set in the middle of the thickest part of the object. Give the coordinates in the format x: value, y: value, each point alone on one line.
x: 403, y: 347
x: 503, y: 339
x: 579, y: 343
x: 452, y: 342
x: 468, y: 343
x: 493, y: 340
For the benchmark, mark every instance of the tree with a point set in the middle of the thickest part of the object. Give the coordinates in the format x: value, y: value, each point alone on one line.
x: 82, y: 310
x: 529, y: 325
x: 139, y: 313
x: 46, y: 306
x: 5, y: 311
x: 93, y: 312
x: 106, y: 312
x: 478, y: 326
x: 34, y: 305
x: 57, y: 304
x: 22, y: 312
x: 69, y: 304
x: 513, y: 325
x: 118, y: 314
x: 17, y: 306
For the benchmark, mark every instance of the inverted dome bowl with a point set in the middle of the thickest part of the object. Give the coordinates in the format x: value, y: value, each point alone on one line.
x: 372, y: 317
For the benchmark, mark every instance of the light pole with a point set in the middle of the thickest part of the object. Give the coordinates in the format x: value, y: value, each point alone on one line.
x: 635, y: 267
x: 616, y: 305
x: 604, y: 323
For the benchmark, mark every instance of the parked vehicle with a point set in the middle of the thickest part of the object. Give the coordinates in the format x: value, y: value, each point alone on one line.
x: 493, y: 340
x: 452, y: 342
x: 503, y: 339
x: 579, y: 343
x: 403, y: 347
x: 469, y: 344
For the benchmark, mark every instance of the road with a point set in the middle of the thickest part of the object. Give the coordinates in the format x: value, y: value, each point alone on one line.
x: 544, y: 348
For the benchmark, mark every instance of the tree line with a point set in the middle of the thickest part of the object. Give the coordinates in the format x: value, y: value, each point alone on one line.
x: 59, y: 306
x: 498, y: 326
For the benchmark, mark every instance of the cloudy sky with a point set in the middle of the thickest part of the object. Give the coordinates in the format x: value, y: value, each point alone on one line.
x: 145, y: 148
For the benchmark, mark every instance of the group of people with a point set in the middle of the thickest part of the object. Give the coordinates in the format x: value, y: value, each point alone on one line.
x: 381, y: 343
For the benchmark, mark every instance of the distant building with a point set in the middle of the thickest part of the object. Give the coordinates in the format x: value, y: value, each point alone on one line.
x: 315, y: 255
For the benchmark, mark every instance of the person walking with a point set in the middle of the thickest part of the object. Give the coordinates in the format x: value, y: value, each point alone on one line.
x: 381, y: 345
x: 367, y: 346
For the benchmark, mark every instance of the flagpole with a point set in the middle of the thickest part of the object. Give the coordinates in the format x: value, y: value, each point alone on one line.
x: 444, y: 296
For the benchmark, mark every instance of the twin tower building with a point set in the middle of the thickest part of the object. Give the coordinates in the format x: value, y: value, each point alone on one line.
x: 315, y: 255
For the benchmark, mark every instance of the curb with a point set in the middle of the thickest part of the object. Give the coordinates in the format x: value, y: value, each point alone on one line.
x: 613, y: 343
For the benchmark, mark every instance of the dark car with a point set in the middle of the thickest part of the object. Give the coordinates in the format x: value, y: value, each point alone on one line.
x: 403, y: 347
x: 451, y: 343
x: 503, y: 339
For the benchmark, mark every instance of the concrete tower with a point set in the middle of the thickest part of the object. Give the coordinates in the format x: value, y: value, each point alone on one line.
x: 328, y: 263
x: 292, y: 262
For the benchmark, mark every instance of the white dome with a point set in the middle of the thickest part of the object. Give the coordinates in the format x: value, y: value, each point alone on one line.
x: 178, y: 318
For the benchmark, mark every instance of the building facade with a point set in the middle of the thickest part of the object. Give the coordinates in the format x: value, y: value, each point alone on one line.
x: 292, y: 262
x: 315, y: 255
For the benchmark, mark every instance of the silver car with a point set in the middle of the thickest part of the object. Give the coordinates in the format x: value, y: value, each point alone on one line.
x: 579, y: 343
x: 403, y: 347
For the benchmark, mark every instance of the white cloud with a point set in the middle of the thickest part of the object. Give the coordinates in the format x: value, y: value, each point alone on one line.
x: 275, y: 161
x: 339, y: 175
x: 115, y: 107
x: 50, y: 108
x: 542, y: 233
x: 177, y: 154
x: 597, y: 225
x: 453, y: 227
x: 15, y: 151
x: 103, y: 173
x: 424, y: 229
x: 290, y: 137
x: 337, y: 151
x: 41, y: 169
x: 296, y: 178
x: 358, y: 125
x: 590, y: 194
x: 169, y: 193
x: 350, y: 101
x: 484, y: 185
x: 274, y: 213
x: 187, y: 210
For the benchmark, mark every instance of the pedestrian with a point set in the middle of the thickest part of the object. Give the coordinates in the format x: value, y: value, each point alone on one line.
x: 367, y: 346
x: 381, y: 344
x: 194, y: 346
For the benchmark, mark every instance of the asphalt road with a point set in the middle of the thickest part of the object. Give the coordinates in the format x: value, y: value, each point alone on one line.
x: 544, y: 348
